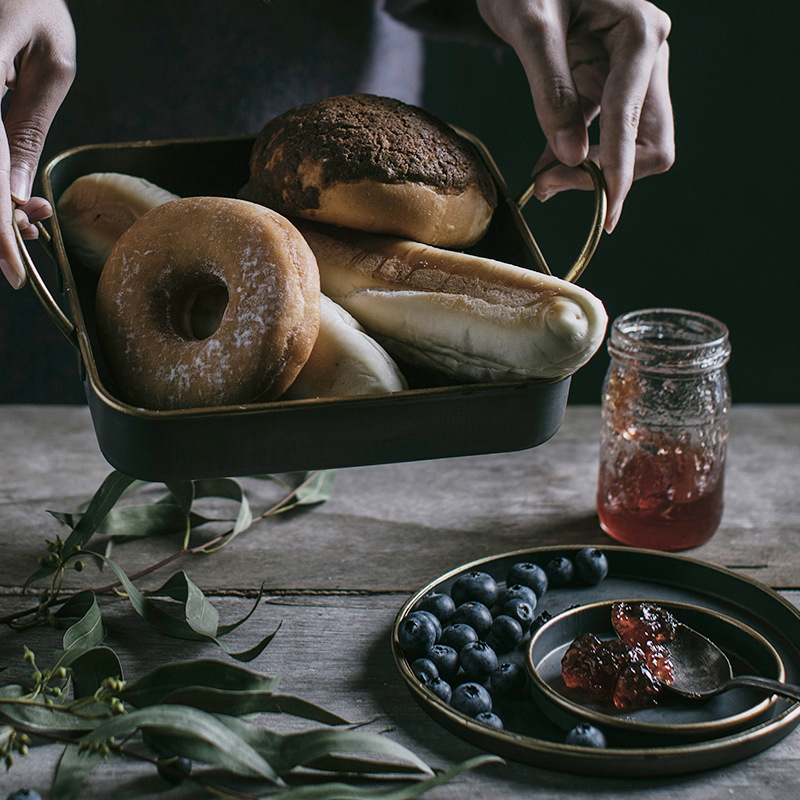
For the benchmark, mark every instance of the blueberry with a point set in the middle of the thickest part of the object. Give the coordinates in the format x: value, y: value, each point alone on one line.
x: 560, y: 572
x: 518, y: 591
x: 475, y: 585
x: 457, y: 635
x: 24, y: 794
x: 174, y: 769
x: 416, y: 634
x: 591, y: 565
x: 474, y: 614
x: 471, y: 699
x: 545, y: 616
x: 425, y: 670
x: 490, y: 719
x: 586, y: 735
x: 439, y: 604
x: 521, y: 611
x: 445, y: 659
x: 530, y: 575
x: 507, y: 680
x: 477, y: 660
x: 506, y: 633
x: 441, y: 688
x: 433, y: 618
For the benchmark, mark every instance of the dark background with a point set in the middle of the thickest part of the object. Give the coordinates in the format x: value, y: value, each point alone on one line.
x: 718, y: 233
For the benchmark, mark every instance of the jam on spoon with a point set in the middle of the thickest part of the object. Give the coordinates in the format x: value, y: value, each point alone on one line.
x: 628, y: 671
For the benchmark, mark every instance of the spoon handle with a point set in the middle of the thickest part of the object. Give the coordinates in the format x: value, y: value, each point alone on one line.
x: 789, y: 690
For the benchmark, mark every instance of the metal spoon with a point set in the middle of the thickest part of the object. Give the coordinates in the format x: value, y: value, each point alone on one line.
x: 701, y: 670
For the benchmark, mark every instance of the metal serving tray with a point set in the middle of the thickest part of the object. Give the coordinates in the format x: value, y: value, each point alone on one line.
x: 426, y: 421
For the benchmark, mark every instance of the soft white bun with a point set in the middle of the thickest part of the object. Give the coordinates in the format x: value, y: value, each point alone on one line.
x: 471, y: 318
x: 96, y: 209
x: 345, y: 361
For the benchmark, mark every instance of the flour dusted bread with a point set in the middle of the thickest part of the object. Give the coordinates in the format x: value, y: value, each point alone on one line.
x: 375, y: 164
x: 471, y: 318
x: 207, y: 301
x: 96, y: 209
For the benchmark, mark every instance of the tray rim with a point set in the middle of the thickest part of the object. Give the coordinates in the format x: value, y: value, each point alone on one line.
x: 659, y: 761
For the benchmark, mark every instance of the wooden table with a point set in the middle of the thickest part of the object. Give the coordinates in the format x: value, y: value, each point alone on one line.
x: 336, y: 575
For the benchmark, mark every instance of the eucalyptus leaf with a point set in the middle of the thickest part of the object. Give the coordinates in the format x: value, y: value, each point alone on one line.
x: 344, y: 791
x: 73, y: 767
x: 198, y: 624
x: 91, y: 667
x: 158, y: 683
x: 86, y: 633
x: 17, y: 706
x: 227, y: 749
x: 304, y: 749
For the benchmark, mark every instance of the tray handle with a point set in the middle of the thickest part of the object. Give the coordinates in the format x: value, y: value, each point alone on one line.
x: 39, y: 287
x: 598, y: 221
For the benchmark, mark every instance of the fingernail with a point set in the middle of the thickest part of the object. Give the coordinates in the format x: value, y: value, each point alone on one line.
x: 13, y: 274
x: 19, y: 182
x: 569, y: 147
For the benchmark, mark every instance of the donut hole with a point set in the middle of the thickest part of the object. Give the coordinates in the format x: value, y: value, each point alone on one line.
x: 207, y: 310
x: 197, y: 310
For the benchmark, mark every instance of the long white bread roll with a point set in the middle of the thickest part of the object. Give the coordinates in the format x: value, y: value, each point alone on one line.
x: 96, y: 209
x: 469, y: 317
x: 345, y: 361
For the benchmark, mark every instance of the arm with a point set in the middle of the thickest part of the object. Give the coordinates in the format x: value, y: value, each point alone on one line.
x: 37, y: 59
x: 588, y: 59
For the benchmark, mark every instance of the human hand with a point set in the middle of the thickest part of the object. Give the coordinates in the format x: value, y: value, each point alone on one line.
x: 587, y: 59
x: 37, y: 59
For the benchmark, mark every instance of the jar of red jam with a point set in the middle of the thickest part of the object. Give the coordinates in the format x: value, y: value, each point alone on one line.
x: 665, y: 405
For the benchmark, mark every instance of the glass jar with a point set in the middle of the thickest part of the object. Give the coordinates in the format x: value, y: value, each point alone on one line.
x: 666, y: 398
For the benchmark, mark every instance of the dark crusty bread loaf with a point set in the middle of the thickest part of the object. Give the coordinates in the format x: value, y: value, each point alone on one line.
x: 373, y: 163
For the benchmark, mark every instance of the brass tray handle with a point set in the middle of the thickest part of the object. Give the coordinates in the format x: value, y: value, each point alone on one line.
x: 596, y: 231
x: 61, y: 320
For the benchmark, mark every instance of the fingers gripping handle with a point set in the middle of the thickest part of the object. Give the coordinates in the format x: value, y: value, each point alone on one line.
x: 598, y: 220
x: 60, y: 319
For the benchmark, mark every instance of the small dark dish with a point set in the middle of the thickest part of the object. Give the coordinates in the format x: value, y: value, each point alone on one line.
x: 671, y: 719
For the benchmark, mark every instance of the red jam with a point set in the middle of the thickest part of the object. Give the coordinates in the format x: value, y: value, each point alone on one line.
x: 625, y: 671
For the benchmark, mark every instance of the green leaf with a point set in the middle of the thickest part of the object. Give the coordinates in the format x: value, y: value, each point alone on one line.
x: 86, y: 633
x: 200, y: 615
x: 16, y: 705
x: 226, y: 749
x: 343, y: 791
x: 317, y: 488
x: 73, y: 767
x: 91, y: 667
x: 103, y: 501
x: 304, y: 749
x: 154, y: 686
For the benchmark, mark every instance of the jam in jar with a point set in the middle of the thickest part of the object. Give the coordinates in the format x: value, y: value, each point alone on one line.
x: 666, y: 399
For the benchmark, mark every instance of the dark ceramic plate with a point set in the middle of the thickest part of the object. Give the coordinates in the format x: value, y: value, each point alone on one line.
x: 531, y: 737
x: 671, y: 720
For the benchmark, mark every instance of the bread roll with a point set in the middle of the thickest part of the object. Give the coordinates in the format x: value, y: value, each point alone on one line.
x: 376, y: 164
x: 345, y: 361
x: 96, y: 209
x: 471, y: 318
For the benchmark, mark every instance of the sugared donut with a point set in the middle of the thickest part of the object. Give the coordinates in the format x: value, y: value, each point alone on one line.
x: 207, y: 301
x: 373, y: 164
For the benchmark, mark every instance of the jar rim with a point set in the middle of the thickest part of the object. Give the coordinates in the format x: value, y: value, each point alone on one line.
x: 669, y: 340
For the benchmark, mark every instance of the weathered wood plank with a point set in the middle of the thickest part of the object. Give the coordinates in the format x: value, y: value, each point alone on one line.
x: 334, y: 650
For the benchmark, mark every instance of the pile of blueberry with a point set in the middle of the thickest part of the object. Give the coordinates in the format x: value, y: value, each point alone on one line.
x: 460, y: 644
